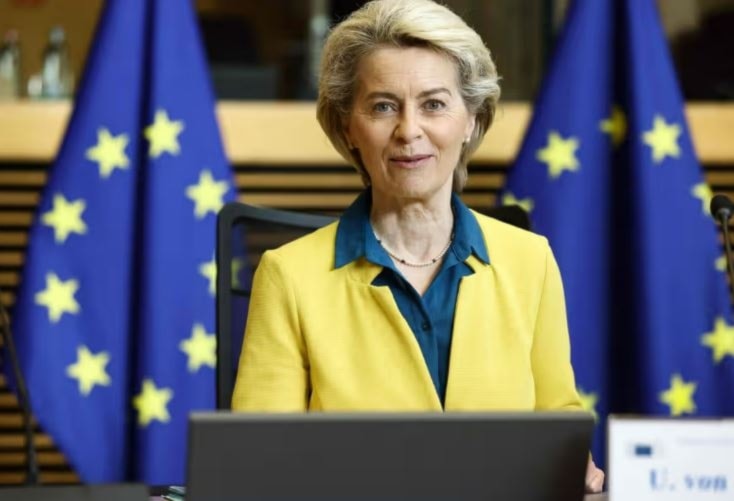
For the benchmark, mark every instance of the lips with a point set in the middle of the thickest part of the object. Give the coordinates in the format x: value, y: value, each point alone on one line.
x: 409, y: 160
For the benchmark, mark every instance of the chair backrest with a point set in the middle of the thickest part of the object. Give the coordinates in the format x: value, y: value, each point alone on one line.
x: 511, y: 214
x: 244, y: 232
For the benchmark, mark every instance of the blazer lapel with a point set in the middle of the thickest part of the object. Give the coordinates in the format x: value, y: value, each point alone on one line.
x: 414, y: 360
x: 365, y: 272
x: 469, y: 347
x: 489, y: 366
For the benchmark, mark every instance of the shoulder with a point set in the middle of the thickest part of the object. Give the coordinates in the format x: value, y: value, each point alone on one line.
x: 312, y: 252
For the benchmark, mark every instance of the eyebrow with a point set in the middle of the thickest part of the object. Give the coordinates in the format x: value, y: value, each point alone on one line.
x: 425, y: 93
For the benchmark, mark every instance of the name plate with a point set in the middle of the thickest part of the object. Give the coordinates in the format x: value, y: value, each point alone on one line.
x: 667, y: 459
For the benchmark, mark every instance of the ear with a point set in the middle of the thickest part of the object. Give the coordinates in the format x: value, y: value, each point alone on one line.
x: 470, y: 124
x: 347, y: 135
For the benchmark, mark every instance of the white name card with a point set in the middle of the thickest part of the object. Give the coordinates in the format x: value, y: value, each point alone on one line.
x: 667, y: 459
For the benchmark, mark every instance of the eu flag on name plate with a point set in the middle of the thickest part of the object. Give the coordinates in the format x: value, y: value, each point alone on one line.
x: 114, y: 317
x: 609, y: 173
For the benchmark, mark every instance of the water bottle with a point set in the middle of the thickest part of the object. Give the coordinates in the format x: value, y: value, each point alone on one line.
x: 10, y: 66
x: 57, y: 80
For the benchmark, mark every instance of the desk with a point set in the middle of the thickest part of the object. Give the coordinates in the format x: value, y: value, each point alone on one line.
x: 588, y: 497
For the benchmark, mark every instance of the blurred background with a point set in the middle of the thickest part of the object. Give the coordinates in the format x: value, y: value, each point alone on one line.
x: 270, y: 50
x: 263, y: 58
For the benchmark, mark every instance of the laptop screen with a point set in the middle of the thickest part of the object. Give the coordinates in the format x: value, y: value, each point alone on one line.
x: 427, y: 456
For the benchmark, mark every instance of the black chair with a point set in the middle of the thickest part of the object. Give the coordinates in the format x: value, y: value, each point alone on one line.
x: 511, y: 214
x: 244, y: 232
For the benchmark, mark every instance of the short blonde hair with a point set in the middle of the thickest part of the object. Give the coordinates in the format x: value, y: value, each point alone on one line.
x: 405, y: 23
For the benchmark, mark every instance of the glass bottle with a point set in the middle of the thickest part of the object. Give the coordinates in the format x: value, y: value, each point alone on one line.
x: 10, y: 66
x: 57, y: 80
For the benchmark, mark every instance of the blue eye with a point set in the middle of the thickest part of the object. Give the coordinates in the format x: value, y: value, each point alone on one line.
x: 434, y: 105
x: 382, y: 107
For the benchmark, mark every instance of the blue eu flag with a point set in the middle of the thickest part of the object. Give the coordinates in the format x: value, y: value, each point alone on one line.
x: 115, y: 314
x: 609, y: 173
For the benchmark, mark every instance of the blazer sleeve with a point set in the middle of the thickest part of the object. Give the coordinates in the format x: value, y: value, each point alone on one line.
x: 555, y: 386
x: 273, y: 371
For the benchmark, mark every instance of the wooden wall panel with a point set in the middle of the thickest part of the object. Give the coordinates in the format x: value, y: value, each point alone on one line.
x: 277, y: 133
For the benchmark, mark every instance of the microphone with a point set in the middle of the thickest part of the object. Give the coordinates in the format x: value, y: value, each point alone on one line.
x: 721, y: 205
x: 722, y: 209
x: 25, y: 406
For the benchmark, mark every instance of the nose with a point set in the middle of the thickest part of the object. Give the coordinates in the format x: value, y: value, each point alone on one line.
x: 408, y: 127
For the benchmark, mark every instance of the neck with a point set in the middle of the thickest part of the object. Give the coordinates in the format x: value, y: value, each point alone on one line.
x: 415, y: 230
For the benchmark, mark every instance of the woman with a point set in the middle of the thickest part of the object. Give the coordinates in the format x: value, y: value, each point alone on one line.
x: 411, y: 301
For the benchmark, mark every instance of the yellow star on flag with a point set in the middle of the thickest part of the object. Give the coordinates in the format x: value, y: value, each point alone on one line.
x: 109, y: 152
x: 65, y: 218
x: 209, y: 271
x: 615, y: 126
x: 559, y: 154
x: 526, y: 203
x: 720, y: 340
x: 89, y: 369
x: 679, y: 397
x: 58, y: 297
x: 152, y: 403
x: 704, y: 194
x: 201, y: 348
x: 207, y: 194
x: 663, y: 139
x: 588, y: 402
x: 162, y: 134
x: 238, y: 265
x: 720, y: 263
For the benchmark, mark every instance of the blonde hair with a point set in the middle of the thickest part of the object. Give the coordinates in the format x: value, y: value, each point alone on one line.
x: 405, y: 23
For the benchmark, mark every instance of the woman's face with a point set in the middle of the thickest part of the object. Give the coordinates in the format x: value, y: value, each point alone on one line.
x: 408, y: 121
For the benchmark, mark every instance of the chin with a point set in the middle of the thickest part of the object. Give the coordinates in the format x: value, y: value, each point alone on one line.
x: 415, y: 187
x: 414, y: 191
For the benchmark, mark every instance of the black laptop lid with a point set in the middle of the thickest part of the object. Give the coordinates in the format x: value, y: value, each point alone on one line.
x: 427, y: 456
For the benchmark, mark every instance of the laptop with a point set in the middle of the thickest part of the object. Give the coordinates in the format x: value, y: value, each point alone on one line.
x: 375, y: 456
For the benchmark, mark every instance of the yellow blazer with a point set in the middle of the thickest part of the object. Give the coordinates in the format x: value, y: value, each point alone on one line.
x: 320, y: 338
